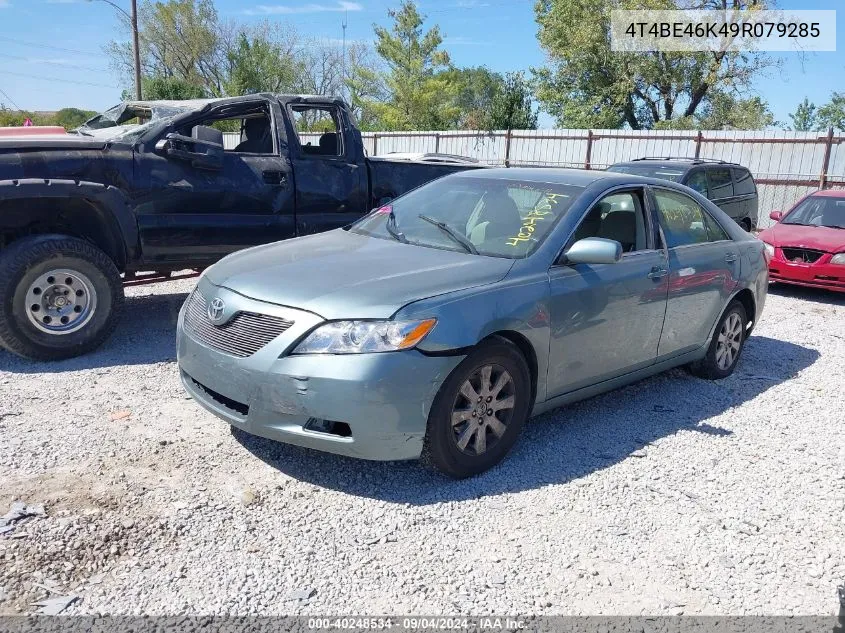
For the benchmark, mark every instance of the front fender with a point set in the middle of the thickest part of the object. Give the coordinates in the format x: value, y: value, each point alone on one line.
x: 110, y: 202
x: 468, y: 316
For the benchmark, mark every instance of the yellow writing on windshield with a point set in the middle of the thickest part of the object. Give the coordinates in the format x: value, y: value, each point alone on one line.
x: 529, y: 223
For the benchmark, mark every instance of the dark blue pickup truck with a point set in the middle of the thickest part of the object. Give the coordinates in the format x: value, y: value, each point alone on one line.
x: 150, y: 186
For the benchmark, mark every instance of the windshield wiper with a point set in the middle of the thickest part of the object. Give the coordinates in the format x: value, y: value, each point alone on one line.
x: 395, y: 233
x: 448, y: 230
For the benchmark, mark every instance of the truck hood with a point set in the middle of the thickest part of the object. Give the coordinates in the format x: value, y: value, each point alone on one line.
x: 821, y: 238
x: 50, y: 141
x: 345, y: 275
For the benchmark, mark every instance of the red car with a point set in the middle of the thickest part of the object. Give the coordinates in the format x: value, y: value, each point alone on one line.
x: 807, y: 245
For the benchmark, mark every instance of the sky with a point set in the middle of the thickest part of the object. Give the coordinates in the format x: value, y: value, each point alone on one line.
x: 51, y: 51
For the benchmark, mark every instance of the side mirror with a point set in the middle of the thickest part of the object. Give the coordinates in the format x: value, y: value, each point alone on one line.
x: 203, y: 149
x: 593, y: 250
x: 776, y: 215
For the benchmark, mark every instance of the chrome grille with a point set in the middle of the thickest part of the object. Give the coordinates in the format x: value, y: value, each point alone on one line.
x: 242, y: 336
x: 801, y: 255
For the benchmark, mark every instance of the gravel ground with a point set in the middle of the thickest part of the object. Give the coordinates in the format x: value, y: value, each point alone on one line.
x: 675, y: 495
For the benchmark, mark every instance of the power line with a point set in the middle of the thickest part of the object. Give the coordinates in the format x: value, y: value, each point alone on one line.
x: 6, y: 94
x: 53, y: 63
x: 49, y: 47
x: 65, y: 81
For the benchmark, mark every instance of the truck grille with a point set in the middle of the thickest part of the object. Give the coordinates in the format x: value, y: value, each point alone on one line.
x: 242, y: 336
x: 802, y: 255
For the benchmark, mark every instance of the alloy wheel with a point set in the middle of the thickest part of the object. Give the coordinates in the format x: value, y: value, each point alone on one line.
x: 482, y: 409
x: 729, y: 341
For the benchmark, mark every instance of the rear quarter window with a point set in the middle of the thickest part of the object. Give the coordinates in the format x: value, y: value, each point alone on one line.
x: 743, y: 182
x: 721, y: 183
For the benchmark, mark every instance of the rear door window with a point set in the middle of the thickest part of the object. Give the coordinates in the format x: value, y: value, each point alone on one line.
x: 697, y: 181
x: 682, y: 220
x: 743, y: 182
x: 721, y: 183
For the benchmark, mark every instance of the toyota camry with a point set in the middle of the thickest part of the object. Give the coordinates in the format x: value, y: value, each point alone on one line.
x: 436, y: 325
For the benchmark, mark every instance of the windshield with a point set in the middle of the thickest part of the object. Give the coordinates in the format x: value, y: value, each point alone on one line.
x: 484, y: 216
x: 650, y: 171
x: 128, y: 121
x: 818, y: 211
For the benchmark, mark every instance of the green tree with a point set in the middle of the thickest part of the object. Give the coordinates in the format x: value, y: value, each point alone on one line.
x: 476, y: 89
x: 257, y: 64
x: 420, y: 91
x: 586, y: 84
x: 805, y: 117
x: 832, y: 113
x: 181, y: 39
x: 725, y: 111
x: 70, y: 118
x: 512, y: 107
x: 167, y: 88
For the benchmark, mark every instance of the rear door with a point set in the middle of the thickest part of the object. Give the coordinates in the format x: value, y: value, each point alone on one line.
x: 703, y: 271
x: 329, y: 167
x: 192, y: 215
x: 721, y: 191
x: 745, y: 191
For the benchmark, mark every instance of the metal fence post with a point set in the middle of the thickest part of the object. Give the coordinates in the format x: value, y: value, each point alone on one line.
x: 826, y: 160
x: 508, y: 148
x: 589, y: 156
x: 375, y: 144
x: 437, y: 142
x: 698, y: 138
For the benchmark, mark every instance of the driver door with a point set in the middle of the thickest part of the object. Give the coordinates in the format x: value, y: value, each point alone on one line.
x: 187, y: 214
x: 607, y: 318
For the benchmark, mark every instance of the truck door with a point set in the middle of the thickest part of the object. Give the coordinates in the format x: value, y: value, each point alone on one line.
x: 329, y: 167
x: 188, y: 214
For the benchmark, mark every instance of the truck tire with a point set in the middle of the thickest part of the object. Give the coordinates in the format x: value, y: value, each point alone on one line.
x: 59, y: 297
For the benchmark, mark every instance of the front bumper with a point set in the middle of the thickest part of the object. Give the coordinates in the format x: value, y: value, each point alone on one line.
x: 819, y: 274
x: 383, y: 398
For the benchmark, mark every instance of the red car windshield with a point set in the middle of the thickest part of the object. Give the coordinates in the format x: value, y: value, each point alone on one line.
x: 818, y: 211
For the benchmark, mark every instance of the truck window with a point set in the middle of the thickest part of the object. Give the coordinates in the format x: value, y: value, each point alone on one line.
x: 254, y: 129
x: 317, y: 130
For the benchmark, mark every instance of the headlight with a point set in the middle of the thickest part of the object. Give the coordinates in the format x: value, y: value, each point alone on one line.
x: 838, y: 259
x: 769, y: 249
x: 359, y: 337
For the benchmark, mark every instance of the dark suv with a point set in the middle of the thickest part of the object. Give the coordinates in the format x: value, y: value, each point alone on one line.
x: 729, y: 185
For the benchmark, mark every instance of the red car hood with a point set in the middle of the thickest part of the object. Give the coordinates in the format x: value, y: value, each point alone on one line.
x: 816, y: 237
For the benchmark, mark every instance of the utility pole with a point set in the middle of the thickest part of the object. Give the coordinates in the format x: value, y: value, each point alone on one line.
x: 136, y: 51
x: 343, y: 58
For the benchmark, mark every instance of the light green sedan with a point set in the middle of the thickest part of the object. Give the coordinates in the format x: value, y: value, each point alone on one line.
x: 436, y: 325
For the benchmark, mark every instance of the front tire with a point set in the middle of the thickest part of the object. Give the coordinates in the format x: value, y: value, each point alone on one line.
x: 59, y: 297
x: 479, y: 411
x: 726, y: 346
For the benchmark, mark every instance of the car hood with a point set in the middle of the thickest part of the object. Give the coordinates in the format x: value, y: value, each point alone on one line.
x: 345, y: 275
x: 820, y: 238
x: 50, y: 141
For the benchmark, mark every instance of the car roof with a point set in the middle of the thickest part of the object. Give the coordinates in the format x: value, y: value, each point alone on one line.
x: 829, y: 193
x: 679, y: 162
x: 559, y: 176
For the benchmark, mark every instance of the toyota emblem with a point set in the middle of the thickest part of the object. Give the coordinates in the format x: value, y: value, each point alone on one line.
x: 215, y: 310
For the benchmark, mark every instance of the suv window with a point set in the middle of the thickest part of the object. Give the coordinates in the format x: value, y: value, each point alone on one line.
x: 721, y: 183
x: 317, y: 130
x: 697, y: 181
x: 743, y: 182
x: 683, y: 221
x: 619, y: 217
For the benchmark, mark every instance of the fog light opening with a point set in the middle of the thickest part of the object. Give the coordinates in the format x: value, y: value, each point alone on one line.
x: 331, y: 427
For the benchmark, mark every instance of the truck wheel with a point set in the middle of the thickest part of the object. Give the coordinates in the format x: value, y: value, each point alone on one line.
x: 59, y: 297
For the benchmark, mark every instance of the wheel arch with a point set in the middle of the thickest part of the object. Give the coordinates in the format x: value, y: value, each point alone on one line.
x: 97, y: 213
x: 528, y: 353
x: 746, y: 298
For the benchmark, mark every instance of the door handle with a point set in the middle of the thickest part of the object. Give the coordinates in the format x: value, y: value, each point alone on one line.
x: 730, y: 257
x: 657, y: 273
x: 275, y: 178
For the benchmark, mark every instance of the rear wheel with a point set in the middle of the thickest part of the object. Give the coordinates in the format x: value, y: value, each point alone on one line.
x: 726, y: 345
x: 746, y: 224
x: 58, y: 297
x: 479, y: 411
